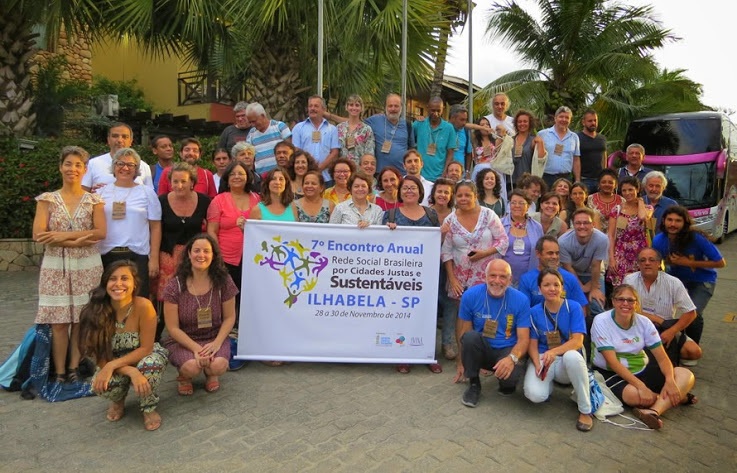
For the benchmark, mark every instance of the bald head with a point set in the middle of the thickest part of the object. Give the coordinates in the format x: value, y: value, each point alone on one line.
x: 498, y: 277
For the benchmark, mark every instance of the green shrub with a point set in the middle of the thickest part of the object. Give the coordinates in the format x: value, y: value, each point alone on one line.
x: 26, y: 174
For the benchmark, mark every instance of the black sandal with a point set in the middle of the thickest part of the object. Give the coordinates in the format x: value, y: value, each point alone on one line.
x: 61, y: 378
x: 691, y: 399
x: 73, y: 376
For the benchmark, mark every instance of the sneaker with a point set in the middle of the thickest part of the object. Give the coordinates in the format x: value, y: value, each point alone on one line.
x: 471, y: 396
x: 689, y: 362
x: 235, y: 365
x: 507, y: 391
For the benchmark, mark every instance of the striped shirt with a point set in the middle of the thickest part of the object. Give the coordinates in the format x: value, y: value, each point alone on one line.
x: 667, y: 297
x: 265, y: 143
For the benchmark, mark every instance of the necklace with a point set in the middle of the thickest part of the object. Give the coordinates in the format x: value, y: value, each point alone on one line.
x: 121, y: 324
x: 520, y: 225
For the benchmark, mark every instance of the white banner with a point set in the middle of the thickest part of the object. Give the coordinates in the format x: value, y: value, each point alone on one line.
x: 336, y: 293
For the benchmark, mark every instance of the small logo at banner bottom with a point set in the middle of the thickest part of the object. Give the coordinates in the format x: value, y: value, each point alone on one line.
x: 383, y: 340
x: 400, y: 340
x: 298, y: 266
x: 416, y: 342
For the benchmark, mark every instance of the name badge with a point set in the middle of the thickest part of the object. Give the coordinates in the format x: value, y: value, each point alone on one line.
x: 316, y: 135
x: 558, y: 149
x: 386, y: 147
x: 553, y: 338
x: 490, y: 327
x: 204, y: 317
x: 519, y: 246
x: 431, y: 149
x: 517, y: 150
x: 350, y: 142
x: 118, y: 210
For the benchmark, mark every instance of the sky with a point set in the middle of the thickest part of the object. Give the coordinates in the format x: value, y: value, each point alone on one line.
x: 704, y: 28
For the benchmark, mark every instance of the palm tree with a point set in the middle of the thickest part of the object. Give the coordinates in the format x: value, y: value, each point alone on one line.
x: 573, y: 48
x: 453, y: 17
x: 196, y: 30
x: 362, y: 50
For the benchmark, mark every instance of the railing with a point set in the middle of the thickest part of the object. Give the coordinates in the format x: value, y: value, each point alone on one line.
x: 196, y: 87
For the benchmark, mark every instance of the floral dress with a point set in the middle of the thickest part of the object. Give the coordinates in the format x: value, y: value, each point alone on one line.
x: 323, y: 215
x: 67, y: 275
x: 361, y: 140
x: 488, y: 233
x: 629, y: 239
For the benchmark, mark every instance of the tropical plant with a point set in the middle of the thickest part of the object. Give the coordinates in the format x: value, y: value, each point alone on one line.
x: 53, y: 96
x: 453, y: 17
x: 573, y: 48
x: 362, y: 50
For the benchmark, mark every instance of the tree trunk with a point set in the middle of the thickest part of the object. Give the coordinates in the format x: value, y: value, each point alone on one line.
x: 16, y: 51
x: 436, y: 87
x: 274, y: 81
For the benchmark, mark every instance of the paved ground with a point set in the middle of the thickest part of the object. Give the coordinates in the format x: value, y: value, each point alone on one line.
x: 332, y: 417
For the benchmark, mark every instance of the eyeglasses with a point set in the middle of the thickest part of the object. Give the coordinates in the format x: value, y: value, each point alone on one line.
x: 409, y: 189
x: 583, y: 223
x: 625, y: 300
x: 121, y: 165
x: 517, y: 202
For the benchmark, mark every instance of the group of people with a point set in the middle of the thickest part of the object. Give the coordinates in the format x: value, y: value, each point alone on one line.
x: 120, y: 233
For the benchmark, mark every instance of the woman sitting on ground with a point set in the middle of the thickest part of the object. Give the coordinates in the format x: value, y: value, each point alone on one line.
x: 117, y: 328
x: 199, y: 310
x: 556, y: 338
x: 621, y: 336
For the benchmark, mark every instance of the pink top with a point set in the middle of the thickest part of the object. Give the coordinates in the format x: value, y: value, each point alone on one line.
x: 205, y: 183
x: 223, y: 211
x: 386, y: 205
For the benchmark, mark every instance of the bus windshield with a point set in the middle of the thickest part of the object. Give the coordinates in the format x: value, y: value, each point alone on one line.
x: 691, y: 185
x: 676, y: 136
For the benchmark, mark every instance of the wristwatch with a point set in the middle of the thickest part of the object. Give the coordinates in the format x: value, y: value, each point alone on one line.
x: 514, y: 358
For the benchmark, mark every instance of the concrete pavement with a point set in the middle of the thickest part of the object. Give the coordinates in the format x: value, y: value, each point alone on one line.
x: 341, y: 417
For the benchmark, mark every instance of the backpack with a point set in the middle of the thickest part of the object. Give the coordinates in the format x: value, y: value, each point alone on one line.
x: 16, y: 370
x: 433, y: 216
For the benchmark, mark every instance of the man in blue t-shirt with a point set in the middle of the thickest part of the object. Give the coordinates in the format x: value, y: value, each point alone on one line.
x: 436, y: 140
x: 493, y: 332
x: 548, y: 256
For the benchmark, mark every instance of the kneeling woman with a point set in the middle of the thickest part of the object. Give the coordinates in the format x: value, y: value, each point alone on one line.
x: 621, y: 336
x: 199, y: 310
x: 118, y: 329
x: 556, y: 336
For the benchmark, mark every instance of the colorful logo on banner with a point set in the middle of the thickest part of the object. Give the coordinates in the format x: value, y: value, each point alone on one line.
x: 297, y: 265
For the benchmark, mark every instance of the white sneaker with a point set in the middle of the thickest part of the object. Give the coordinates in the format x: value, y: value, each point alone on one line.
x: 689, y: 362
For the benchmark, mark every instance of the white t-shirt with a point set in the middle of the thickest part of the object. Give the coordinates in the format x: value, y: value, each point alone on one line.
x: 628, y: 343
x: 507, y: 122
x: 133, y: 231
x: 99, y: 171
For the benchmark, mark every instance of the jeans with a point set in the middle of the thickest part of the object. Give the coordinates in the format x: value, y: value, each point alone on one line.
x: 447, y: 310
x: 595, y: 308
x: 567, y: 369
x: 700, y: 293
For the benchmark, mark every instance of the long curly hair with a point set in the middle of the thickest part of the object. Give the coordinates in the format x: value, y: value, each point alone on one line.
x: 686, y: 235
x: 217, y: 271
x: 97, y: 318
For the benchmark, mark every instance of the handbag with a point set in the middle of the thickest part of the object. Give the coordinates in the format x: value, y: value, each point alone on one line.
x: 538, y: 163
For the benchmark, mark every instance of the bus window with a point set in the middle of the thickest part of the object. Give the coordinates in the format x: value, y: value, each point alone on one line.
x: 676, y: 137
x: 691, y: 184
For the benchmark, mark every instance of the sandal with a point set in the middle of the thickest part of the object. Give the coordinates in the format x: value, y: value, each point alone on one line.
x: 583, y: 426
x: 184, y: 386
x: 212, y: 385
x: 649, y: 417
x: 404, y: 368
x: 61, y: 378
x: 691, y: 399
x: 151, y: 420
x: 116, y: 411
x: 73, y: 376
x: 435, y: 368
x: 274, y: 363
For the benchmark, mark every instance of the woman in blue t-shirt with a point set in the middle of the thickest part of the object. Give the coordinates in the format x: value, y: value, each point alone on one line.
x: 690, y: 257
x: 557, y: 329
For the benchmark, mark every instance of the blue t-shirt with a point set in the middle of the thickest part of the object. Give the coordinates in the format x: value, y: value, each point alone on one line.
x: 401, y: 136
x: 571, y: 288
x: 570, y: 320
x: 700, y: 249
x: 511, y: 311
x: 443, y: 137
x: 463, y: 146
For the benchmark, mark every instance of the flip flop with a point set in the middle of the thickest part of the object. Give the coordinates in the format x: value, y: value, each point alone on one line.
x: 116, y: 411
x: 151, y: 420
x: 691, y: 399
x: 649, y: 417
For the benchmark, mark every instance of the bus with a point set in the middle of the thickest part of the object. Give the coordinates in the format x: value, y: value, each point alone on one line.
x: 697, y: 152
